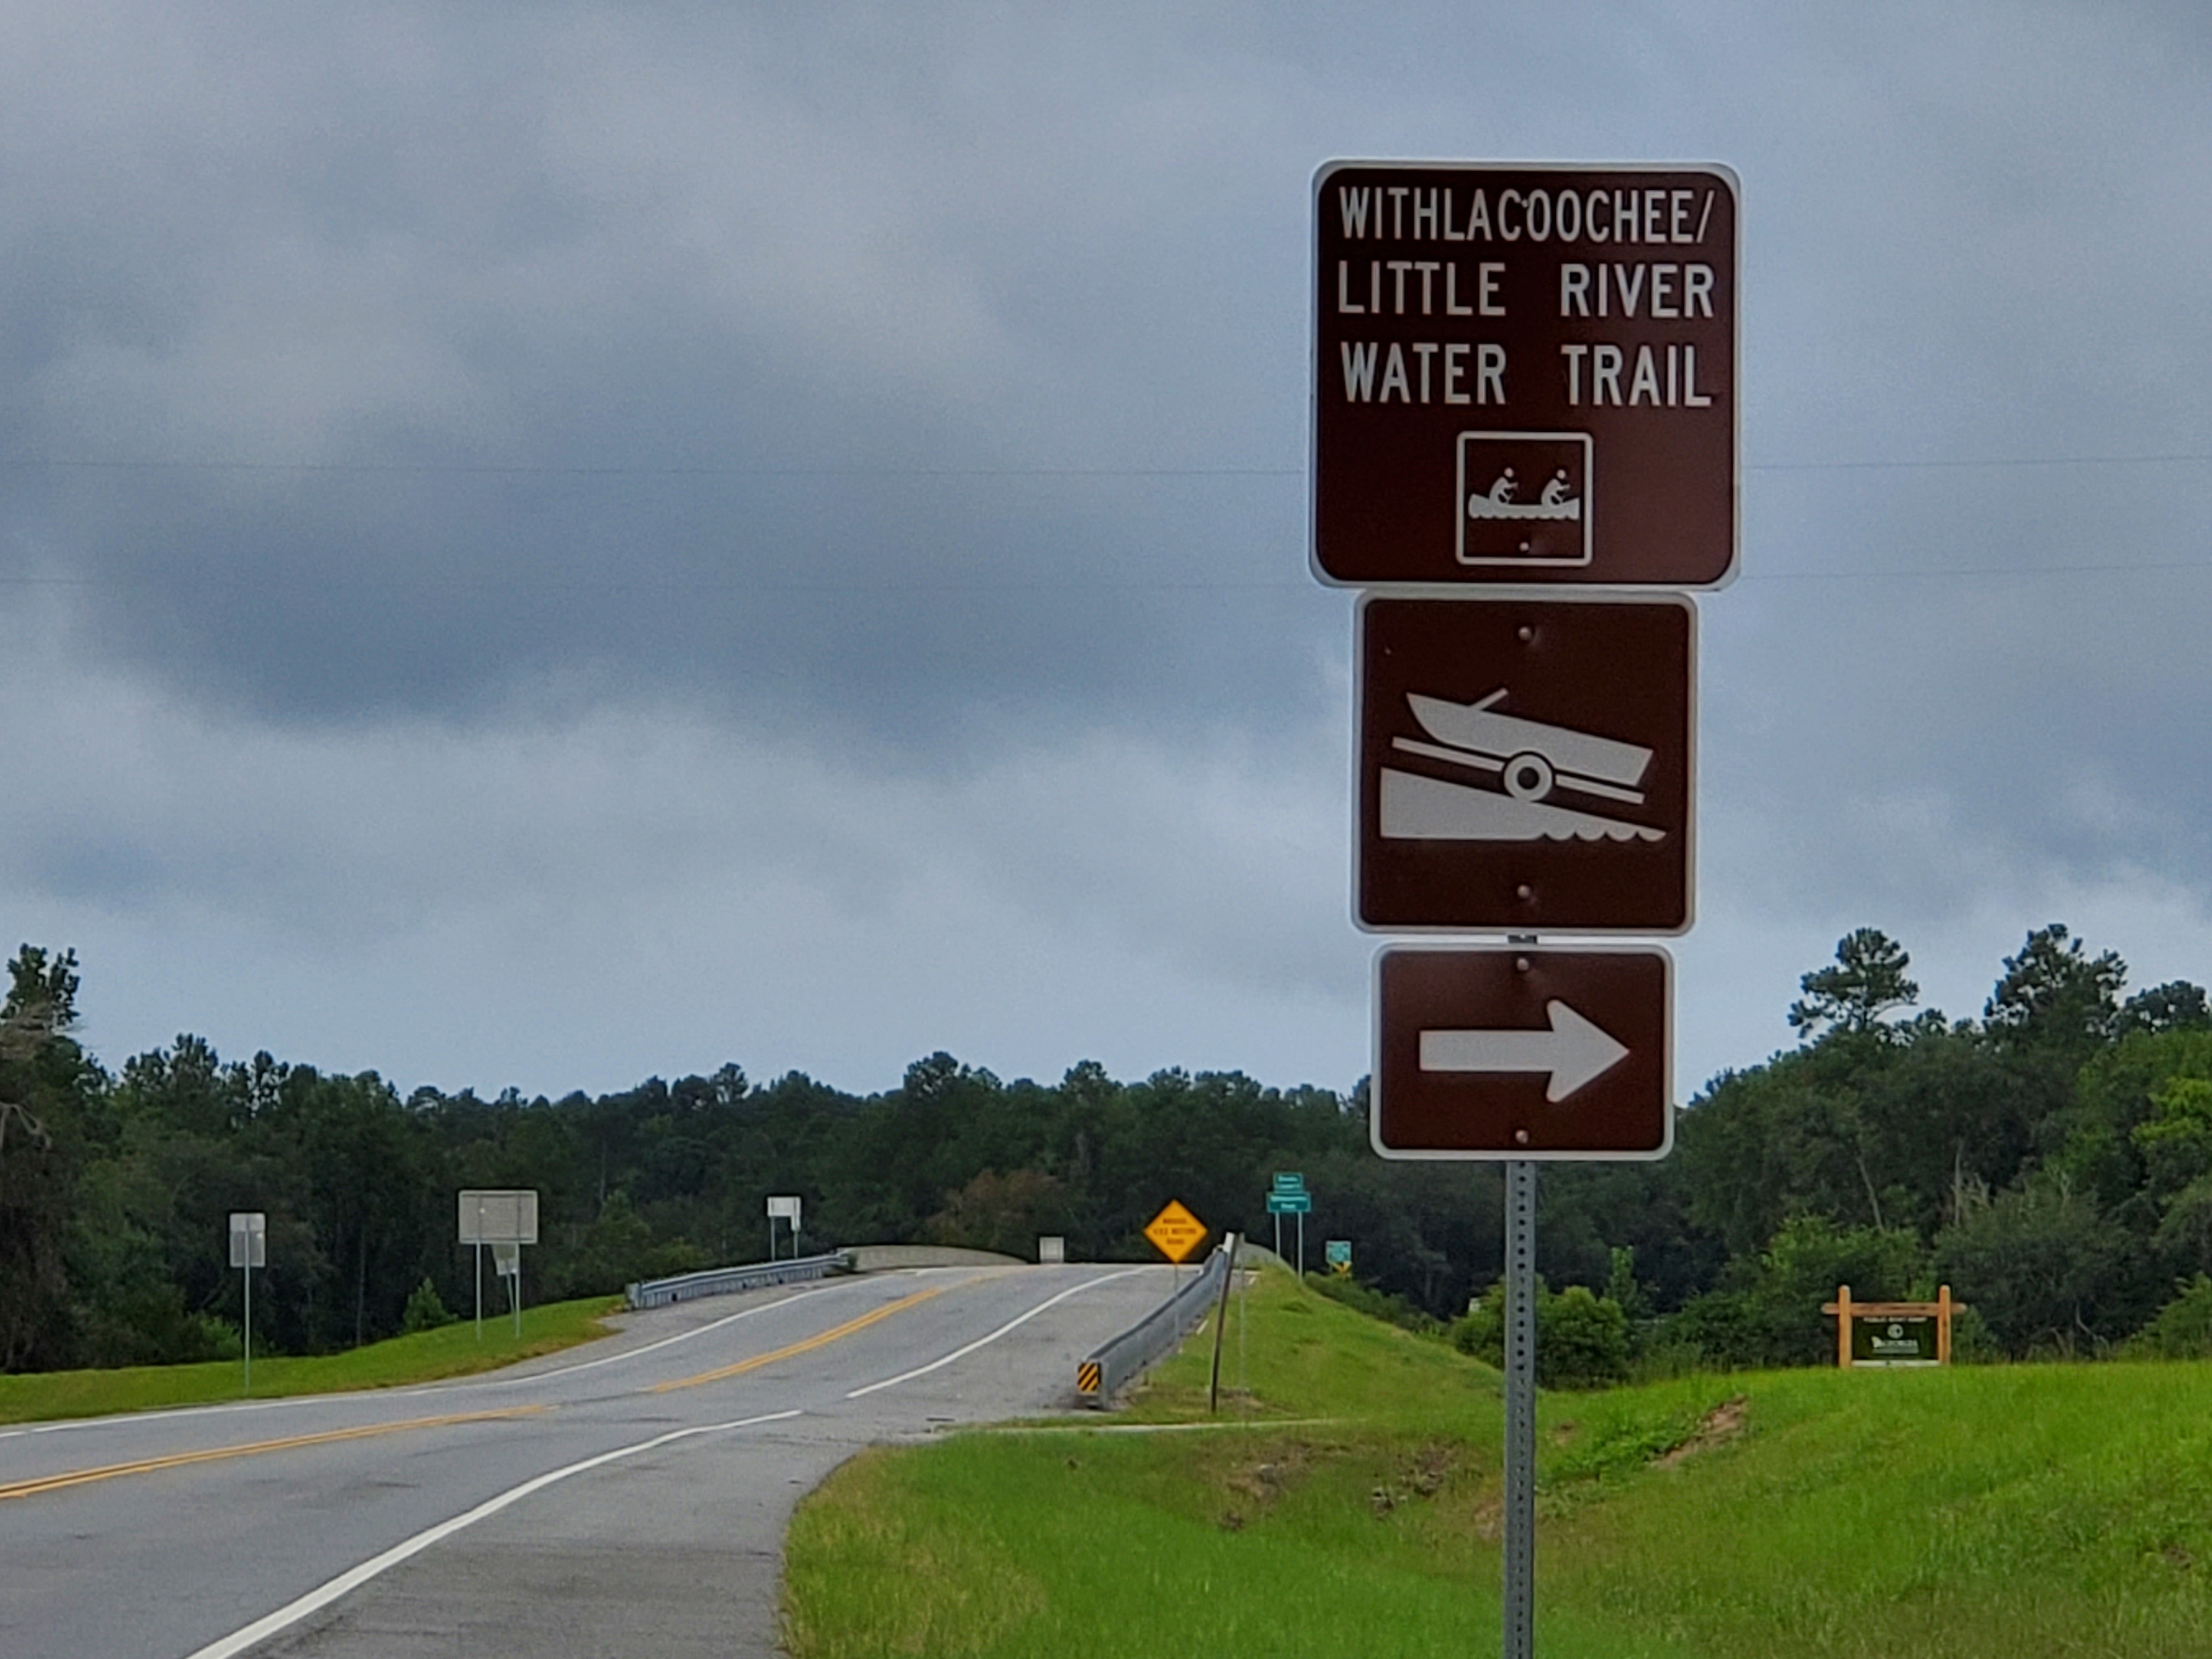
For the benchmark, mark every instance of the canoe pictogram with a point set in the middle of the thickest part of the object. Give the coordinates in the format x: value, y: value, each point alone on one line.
x: 1498, y: 502
x: 1524, y: 498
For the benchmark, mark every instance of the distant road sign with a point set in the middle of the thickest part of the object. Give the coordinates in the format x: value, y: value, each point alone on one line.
x: 249, y: 1238
x: 1524, y: 374
x: 786, y: 1207
x: 498, y: 1216
x: 1510, y: 1052
x: 1526, y: 765
x: 1288, y: 1181
x: 1175, y: 1231
x: 1338, y: 1253
x: 1290, y: 1203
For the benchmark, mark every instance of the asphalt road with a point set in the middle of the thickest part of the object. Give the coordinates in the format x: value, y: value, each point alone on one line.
x: 628, y: 1497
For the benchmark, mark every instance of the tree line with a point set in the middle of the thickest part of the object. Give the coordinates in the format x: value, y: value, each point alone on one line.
x: 2051, y: 1160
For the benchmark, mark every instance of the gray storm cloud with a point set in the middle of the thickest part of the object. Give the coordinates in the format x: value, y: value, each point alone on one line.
x: 923, y: 398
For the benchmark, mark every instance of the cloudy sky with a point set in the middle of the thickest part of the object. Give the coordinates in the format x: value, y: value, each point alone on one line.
x: 543, y: 544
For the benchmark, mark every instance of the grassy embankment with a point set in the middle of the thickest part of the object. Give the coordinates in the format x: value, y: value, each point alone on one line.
x: 425, y: 1357
x: 1981, y: 1513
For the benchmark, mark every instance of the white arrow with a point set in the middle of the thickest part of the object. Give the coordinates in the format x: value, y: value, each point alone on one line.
x: 1574, y: 1051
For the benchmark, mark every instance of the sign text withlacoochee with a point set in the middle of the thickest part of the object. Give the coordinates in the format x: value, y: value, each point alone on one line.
x: 1623, y: 374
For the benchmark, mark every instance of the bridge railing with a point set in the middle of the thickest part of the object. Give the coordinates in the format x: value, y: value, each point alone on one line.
x: 726, y: 1281
x: 1109, y: 1366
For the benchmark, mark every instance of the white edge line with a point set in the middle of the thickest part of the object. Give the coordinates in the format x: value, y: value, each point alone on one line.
x: 984, y: 1342
x: 292, y: 1612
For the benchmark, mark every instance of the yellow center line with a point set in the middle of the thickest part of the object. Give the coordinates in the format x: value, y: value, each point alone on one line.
x: 807, y: 1345
x: 214, y: 1454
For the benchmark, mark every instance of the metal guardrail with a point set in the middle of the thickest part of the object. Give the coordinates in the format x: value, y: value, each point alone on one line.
x: 1106, y: 1367
x: 725, y: 1281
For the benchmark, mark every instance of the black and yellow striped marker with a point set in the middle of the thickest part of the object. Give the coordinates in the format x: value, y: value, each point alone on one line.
x: 1086, y: 1377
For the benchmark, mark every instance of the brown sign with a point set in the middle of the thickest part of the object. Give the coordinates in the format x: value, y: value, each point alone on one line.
x: 1499, y: 1052
x: 1524, y: 374
x: 1526, y: 765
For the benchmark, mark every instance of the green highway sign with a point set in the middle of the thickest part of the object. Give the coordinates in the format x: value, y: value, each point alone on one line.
x: 1338, y: 1253
x: 1287, y: 1182
x: 1289, y: 1203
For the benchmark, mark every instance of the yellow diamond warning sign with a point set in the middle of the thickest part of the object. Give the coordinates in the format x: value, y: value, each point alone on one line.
x: 1175, y: 1231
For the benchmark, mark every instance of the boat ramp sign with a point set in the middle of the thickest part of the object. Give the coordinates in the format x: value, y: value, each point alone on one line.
x: 1526, y: 765
x: 1524, y: 374
x: 1516, y: 1052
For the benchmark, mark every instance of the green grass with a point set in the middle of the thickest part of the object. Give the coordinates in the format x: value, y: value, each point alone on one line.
x: 425, y: 1357
x: 2010, y: 1512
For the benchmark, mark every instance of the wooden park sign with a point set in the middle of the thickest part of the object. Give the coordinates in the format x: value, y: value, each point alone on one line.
x: 1892, y: 1334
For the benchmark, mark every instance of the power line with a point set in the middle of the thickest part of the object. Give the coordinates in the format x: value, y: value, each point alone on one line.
x: 733, y: 469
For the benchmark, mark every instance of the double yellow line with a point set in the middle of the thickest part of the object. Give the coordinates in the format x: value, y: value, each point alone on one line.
x: 217, y: 1454
x: 805, y: 1347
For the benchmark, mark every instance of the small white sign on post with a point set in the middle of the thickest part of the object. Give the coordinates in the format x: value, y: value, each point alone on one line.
x: 506, y: 1262
x: 496, y: 1217
x: 249, y: 1238
x: 249, y: 1248
x: 1051, y: 1248
x: 785, y: 1207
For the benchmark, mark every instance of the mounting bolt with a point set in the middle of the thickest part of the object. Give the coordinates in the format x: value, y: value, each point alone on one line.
x: 1528, y: 632
x: 1520, y: 1137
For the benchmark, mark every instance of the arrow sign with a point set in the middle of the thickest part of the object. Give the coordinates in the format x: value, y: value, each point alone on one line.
x: 1574, y: 1051
x: 1520, y: 1051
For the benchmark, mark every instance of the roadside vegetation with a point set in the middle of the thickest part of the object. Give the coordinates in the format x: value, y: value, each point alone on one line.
x: 1346, y: 1501
x: 2050, y: 1160
x: 429, y: 1355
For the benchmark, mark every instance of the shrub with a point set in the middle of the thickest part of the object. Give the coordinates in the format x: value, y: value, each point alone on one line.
x: 426, y: 1309
x: 2183, y: 1328
x: 1582, y: 1338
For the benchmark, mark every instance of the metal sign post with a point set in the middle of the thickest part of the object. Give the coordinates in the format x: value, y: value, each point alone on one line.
x: 1520, y: 1409
x: 249, y: 1248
